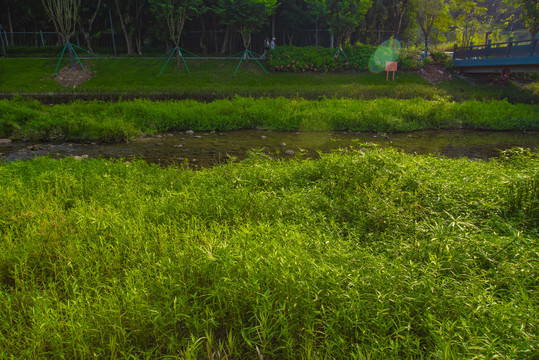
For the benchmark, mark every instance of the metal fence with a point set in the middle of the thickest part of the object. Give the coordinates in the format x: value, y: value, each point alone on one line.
x: 213, y: 40
x: 191, y: 40
x: 39, y: 39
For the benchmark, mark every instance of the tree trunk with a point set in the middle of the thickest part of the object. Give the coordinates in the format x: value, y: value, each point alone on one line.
x: 426, y: 46
x: 86, y: 36
x: 400, y: 16
x: 138, y: 41
x: 178, y: 54
x: 202, y: 44
x: 128, y: 39
x: 225, y: 41
x: 139, y: 37
x: 86, y: 33
x: 246, y: 36
x: 71, y: 57
x: 290, y: 37
x: 215, y: 40
x: 10, y: 24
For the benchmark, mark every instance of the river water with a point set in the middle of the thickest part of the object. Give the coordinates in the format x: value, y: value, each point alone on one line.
x: 210, y: 148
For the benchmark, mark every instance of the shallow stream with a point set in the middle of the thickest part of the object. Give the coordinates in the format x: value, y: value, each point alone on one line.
x: 210, y: 148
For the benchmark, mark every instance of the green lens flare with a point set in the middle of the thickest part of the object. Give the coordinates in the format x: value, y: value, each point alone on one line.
x: 389, y: 50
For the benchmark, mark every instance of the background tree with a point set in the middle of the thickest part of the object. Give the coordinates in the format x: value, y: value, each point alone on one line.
x: 470, y: 16
x: 427, y: 12
x: 131, y: 14
x: 342, y: 16
x: 530, y: 15
x: 245, y: 16
x: 174, y: 13
x: 7, y: 15
x: 400, y: 8
x: 293, y: 15
x: 203, y: 10
x: 396, y: 16
x: 89, y: 10
x: 63, y: 14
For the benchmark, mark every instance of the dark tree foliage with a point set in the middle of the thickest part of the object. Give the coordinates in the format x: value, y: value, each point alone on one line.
x: 530, y: 14
x: 395, y: 16
x: 245, y: 16
x: 224, y: 26
x: 342, y: 16
x: 293, y: 16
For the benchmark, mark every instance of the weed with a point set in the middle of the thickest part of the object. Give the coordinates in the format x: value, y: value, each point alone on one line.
x: 364, y: 253
x: 121, y: 121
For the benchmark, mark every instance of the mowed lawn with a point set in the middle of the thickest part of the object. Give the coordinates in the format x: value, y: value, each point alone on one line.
x: 215, y: 78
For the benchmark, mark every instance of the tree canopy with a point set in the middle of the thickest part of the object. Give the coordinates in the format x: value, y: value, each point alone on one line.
x: 245, y: 16
x: 342, y: 16
x: 174, y: 13
x: 230, y: 25
x: 530, y: 15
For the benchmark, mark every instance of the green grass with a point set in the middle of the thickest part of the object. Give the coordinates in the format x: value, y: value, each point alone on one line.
x: 213, y: 79
x: 99, y: 121
x: 367, y: 254
x: 362, y: 254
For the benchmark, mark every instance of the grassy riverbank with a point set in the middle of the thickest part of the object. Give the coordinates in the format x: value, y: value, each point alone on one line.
x: 98, y: 121
x: 215, y: 79
x: 366, y: 254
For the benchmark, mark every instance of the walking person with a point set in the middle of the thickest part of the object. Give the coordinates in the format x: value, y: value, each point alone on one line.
x: 266, y: 46
x: 272, y: 44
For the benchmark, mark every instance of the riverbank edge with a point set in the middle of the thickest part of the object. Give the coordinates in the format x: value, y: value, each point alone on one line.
x: 125, y: 120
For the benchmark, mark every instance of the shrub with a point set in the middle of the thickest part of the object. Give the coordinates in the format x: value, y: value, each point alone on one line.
x: 438, y: 57
x: 441, y: 58
x: 410, y: 59
x: 313, y: 58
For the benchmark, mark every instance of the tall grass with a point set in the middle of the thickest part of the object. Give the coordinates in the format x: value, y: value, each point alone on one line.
x: 366, y: 254
x: 124, y: 120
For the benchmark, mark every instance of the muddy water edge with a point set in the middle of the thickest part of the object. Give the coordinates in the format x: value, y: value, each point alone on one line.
x: 204, y: 149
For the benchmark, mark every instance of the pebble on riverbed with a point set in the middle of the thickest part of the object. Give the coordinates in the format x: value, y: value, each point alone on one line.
x: 5, y: 141
x: 189, y: 132
x: 289, y: 152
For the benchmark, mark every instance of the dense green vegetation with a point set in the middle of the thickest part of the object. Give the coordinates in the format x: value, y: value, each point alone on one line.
x: 293, y: 22
x: 214, y: 79
x: 313, y: 59
x: 359, y: 57
x: 363, y: 254
x: 367, y: 254
x: 123, y: 120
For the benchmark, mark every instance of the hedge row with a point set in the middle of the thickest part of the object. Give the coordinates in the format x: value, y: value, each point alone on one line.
x: 359, y: 57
